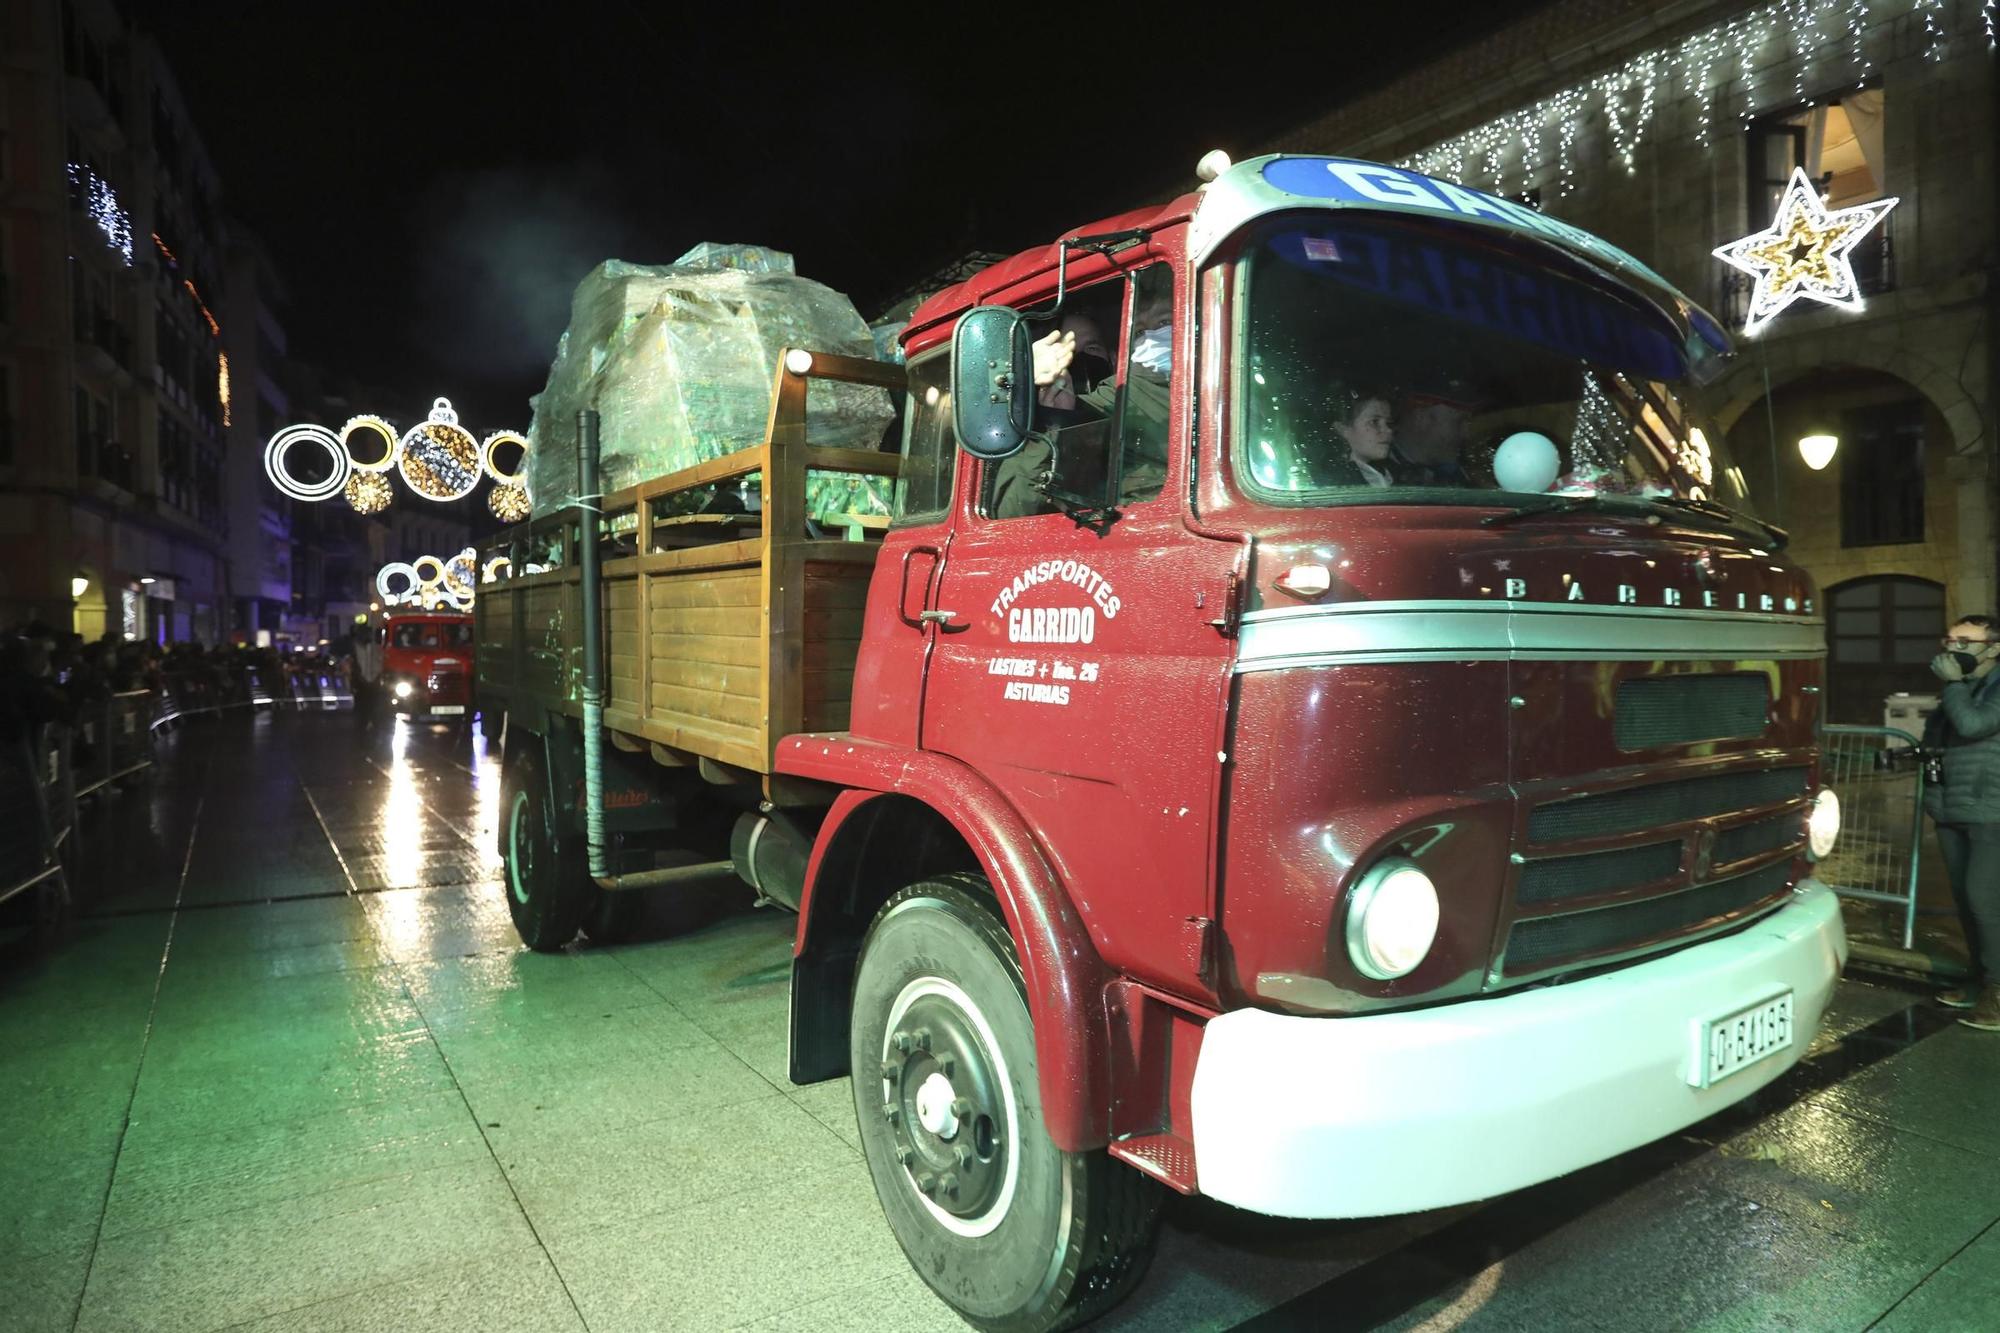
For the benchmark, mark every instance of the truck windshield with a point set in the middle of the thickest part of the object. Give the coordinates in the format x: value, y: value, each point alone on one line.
x: 431, y: 634
x: 1401, y: 362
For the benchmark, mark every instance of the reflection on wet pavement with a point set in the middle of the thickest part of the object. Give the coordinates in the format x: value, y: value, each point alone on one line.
x: 293, y: 1071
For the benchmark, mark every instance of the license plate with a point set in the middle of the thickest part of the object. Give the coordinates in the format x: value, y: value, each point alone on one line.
x: 1731, y: 1044
x: 448, y: 709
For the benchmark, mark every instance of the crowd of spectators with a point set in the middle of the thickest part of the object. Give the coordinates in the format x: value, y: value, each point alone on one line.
x: 51, y: 675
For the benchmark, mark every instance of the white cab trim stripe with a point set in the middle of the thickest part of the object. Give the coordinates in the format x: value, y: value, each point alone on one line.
x: 1442, y: 631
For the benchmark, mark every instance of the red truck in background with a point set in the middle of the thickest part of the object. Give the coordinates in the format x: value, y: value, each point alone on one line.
x: 428, y: 665
x: 1343, y: 744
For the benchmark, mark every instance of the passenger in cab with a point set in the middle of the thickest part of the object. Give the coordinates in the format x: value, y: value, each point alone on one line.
x: 1364, y: 433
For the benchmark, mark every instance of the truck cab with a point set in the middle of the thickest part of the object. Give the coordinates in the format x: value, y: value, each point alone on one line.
x: 428, y: 665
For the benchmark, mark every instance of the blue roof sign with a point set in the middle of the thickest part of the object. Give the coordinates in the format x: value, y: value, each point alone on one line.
x: 1372, y: 185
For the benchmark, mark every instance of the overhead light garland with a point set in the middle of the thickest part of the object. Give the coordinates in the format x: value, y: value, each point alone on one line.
x: 1510, y: 153
x: 438, y: 459
x: 1804, y: 253
x: 449, y: 584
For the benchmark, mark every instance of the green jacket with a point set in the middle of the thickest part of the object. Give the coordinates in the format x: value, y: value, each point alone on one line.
x: 1965, y: 729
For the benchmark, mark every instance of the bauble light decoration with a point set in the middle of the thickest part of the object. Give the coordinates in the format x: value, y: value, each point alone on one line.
x: 369, y: 492
x: 508, y: 503
x: 440, y: 459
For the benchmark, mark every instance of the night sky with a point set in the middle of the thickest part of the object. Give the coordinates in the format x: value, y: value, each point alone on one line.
x: 433, y: 180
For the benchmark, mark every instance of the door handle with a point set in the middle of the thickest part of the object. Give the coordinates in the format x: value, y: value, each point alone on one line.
x: 939, y: 618
x: 903, y: 590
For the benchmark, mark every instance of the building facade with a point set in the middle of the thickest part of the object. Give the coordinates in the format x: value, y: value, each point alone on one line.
x: 1672, y: 129
x: 258, y: 402
x: 113, y: 512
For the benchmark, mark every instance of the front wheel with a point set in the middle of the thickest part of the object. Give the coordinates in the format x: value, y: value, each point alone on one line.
x: 1008, y: 1229
x: 549, y: 889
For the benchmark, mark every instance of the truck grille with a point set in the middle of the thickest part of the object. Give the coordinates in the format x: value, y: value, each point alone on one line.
x: 1635, y: 808
x: 1679, y: 710
x: 1560, y: 878
x: 1534, y: 944
x: 1766, y: 835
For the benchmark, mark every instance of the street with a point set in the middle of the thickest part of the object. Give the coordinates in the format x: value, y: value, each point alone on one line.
x: 293, y: 1070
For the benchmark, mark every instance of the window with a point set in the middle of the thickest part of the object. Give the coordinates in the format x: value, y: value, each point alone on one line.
x: 1839, y: 146
x: 923, y: 491
x: 1881, y: 632
x: 1882, y: 475
x: 1081, y: 415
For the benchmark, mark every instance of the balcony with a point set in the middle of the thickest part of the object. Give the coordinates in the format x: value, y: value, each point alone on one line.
x: 1874, y: 262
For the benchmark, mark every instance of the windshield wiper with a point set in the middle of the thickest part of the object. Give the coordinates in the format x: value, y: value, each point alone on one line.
x: 1711, y: 508
x: 1555, y: 504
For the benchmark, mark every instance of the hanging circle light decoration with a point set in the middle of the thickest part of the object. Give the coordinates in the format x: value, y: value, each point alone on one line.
x: 396, y: 569
x: 496, y: 569
x: 276, y: 452
x: 509, y: 503
x: 391, y: 445
x: 431, y: 580
x: 369, y: 492
x: 440, y: 459
x: 519, y: 476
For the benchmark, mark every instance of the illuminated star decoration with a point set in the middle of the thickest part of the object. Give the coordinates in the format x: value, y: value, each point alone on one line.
x: 1804, y: 252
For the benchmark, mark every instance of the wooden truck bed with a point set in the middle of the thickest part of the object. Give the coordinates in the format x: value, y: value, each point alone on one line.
x: 724, y: 632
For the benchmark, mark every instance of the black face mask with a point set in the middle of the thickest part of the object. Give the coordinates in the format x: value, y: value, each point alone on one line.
x: 1967, y: 662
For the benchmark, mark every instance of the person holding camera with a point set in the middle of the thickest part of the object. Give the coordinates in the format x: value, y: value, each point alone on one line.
x: 1962, y: 739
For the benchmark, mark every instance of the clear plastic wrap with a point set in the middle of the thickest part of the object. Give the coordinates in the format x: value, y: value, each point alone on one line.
x: 679, y: 359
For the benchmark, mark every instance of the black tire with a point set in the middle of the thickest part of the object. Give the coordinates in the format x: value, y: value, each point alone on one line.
x: 547, y: 880
x: 1009, y: 1230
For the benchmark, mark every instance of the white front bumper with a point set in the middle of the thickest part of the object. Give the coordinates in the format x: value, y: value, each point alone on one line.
x: 1396, y: 1113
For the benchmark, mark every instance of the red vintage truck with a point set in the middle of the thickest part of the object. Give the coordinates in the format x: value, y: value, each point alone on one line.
x: 1343, y: 743
x: 427, y: 665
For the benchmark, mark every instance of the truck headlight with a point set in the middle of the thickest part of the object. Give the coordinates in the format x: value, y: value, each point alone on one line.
x: 404, y: 689
x: 1823, y: 824
x: 1392, y: 918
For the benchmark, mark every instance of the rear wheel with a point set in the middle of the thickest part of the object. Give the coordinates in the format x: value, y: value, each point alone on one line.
x: 1008, y: 1229
x: 549, y: 889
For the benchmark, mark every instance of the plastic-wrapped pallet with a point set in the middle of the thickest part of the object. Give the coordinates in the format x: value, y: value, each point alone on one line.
x: 679, y: 359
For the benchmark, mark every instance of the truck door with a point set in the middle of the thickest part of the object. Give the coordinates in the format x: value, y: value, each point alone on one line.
x: 1076, y: 661
x: 896, y: 641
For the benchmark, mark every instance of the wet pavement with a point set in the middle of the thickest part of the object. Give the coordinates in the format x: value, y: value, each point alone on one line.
x: 292, y: 1071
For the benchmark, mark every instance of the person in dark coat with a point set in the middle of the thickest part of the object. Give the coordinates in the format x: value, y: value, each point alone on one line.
x: 1963, y: 801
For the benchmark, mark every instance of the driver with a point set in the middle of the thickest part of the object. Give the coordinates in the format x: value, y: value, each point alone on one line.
x: 1432, y: 425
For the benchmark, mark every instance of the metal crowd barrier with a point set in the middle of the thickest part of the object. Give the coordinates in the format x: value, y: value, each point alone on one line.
x: 1878, y: 775
x: 114, y: 739
x: 35, y: 777
x: 324, y: 688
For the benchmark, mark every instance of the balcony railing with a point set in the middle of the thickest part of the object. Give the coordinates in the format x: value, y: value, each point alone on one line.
x: 1874, y: 262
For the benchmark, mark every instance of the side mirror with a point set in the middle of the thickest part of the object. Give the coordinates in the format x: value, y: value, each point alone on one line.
x: 992, y: 382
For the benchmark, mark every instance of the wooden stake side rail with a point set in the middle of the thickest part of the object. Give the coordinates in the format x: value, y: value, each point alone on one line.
x: 716, y: 649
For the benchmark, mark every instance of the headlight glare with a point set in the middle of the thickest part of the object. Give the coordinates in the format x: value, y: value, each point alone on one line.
x: 1823, y: 824
x: 1392, y: 919
x: 404, y: 689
